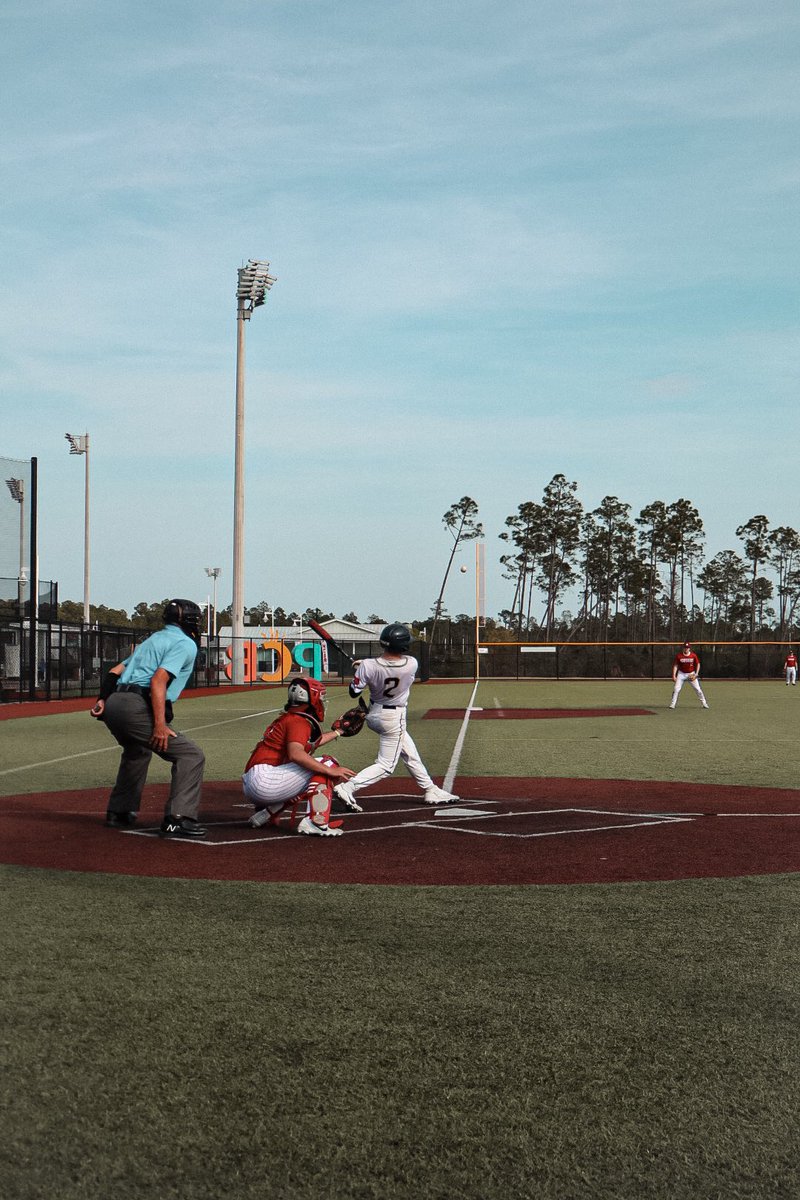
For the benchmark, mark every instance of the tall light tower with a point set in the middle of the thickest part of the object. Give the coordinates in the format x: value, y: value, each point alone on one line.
x: 79, y: 444
x: 254, y: 282
x: 17, y: 489
x: 214, y: 573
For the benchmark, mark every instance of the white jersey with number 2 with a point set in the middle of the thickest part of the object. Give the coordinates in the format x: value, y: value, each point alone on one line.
x: 388, y: 682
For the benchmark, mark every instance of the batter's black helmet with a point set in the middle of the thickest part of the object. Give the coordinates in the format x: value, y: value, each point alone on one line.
x: 187, y: 615
x: 395, y: 638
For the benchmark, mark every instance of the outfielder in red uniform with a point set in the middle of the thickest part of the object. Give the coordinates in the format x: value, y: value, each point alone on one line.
x: 790, y: 668
x: 686, y: 669
x: 281, y: 770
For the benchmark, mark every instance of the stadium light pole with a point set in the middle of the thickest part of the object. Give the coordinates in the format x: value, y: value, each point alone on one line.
x: 17, y: 489
x: 79, y: 444
x: 214, y: 573
x: 254, y: 282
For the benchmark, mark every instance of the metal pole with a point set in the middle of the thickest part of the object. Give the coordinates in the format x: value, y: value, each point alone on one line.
x: 21, y: 580
x: 33, y: 606
x: 237, y: 609
x: 214, y: 619
x: 86, y: 609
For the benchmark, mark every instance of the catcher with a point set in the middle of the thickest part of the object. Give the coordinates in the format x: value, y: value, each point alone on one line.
x: 686, y: 669
x: 281, y: 770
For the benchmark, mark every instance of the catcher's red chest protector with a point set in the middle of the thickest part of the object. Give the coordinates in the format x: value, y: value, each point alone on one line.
x: 273, y: 747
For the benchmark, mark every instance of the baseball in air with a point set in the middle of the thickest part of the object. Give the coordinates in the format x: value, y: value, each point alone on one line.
x: 463, y: 570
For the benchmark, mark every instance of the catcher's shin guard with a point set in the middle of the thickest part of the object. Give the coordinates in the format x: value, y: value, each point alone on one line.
x: 319, y: 793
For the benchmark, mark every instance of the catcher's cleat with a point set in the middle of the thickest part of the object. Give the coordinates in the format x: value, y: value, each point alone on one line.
x: 120, y: 820
x: 344, y: 792
x: 181, y: 827
x: 309, y: 826
x: 437, y: 795
x: 266, y: 816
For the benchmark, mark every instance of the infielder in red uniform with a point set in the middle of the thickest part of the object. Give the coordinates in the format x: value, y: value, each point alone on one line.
x: 282, y: 771
x: 686, y: 669
x: 790, y: 668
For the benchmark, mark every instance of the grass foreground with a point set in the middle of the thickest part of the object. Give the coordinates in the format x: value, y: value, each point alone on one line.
x: 168, y: 1038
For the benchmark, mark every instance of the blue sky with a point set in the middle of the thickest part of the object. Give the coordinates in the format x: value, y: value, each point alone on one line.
x: 511, y: 239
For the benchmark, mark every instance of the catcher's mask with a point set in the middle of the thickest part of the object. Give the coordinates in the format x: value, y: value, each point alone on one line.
x: 395, y: 638
x: 186, y: 615
x: 311, y: 692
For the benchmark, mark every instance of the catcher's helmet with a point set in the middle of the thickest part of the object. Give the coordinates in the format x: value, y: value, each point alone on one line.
x: 311, y: 692
x: 395, y: 638
x: 187, y: 615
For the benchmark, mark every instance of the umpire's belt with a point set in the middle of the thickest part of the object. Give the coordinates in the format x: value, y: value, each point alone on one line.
x: 134, y: 687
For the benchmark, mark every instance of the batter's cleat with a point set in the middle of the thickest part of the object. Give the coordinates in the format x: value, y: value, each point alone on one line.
x: 120, y: 820
x: 309, y: 826
x: 437, y: 795
x: 344, y: 792
x: 181, y: 827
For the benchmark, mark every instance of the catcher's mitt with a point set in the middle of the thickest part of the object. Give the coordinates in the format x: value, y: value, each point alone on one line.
x: 350, y: 723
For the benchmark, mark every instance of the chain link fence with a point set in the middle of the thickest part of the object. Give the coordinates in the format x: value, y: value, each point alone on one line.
x: 70, y: 661
x: 617, y: 660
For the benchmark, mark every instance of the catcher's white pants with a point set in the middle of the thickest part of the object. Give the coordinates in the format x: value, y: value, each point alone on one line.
x: 265, y: 786
x: 680, y: 680
x: 395, y: 744
x: 791, y: 675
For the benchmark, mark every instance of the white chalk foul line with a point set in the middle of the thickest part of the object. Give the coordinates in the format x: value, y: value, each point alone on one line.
x: 50, y: 762
x: 455, y: 758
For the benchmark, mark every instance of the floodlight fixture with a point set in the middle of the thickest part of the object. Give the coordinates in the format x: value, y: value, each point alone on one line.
x: 17, y: 489
x: 78, y: 443
x: 254, y: 282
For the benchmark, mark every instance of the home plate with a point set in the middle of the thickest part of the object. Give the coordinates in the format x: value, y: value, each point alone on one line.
x: 452, y: 811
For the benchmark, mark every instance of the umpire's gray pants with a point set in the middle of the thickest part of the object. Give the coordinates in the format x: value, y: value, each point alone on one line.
x: 130, y: 719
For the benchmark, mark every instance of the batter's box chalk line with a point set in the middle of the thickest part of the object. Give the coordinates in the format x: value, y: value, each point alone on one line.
x: 647, y: 819
x: 449, y: 820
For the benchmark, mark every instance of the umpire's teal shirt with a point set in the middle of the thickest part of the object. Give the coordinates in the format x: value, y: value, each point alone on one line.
x: 171, y: 649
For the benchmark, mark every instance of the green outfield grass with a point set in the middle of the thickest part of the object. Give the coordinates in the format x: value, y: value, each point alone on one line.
x: 747, y: 736
x: 173, y: 1038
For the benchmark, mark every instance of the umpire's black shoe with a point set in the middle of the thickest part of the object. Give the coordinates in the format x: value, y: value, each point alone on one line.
x: 182, y: 827
x: 120, y: 820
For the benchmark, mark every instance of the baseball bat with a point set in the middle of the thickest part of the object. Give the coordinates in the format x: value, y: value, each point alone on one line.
x: 331, y: 640
x: 328, y: 637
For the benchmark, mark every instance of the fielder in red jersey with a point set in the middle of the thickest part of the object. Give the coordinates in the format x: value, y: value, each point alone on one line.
x: 790, y: 668
x: 686, y: 669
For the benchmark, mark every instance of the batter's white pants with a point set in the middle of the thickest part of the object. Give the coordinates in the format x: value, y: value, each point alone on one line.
x: 680, y: 680
x: 395, y: 744
x: 791, y: 676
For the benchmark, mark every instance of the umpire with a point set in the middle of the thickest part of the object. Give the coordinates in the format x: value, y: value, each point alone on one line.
x: 135, y: 702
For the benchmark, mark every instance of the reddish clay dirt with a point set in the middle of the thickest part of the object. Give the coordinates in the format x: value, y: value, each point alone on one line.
x: 53, y: 708
x: 506, y: 831
x: 531, y: 714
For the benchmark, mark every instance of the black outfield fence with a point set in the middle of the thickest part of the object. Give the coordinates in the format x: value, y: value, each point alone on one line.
x: 70, y: 660
x: 609, y: 660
